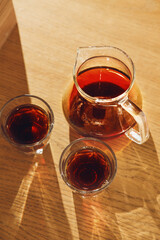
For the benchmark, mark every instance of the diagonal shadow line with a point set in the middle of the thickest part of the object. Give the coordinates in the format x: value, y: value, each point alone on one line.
x: 13, y: 79
x: 7, y: 20
x: 15, y: 167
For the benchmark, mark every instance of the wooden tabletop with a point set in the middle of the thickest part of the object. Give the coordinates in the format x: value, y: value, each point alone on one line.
x: 38, y: 58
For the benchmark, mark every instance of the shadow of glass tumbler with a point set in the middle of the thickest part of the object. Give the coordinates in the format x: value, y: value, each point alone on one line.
x: 26, y: 122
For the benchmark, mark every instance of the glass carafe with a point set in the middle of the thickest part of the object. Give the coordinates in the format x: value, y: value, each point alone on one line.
x: 103, y: 101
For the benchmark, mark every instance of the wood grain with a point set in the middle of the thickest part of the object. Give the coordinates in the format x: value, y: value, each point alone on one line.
x: 38, y: 58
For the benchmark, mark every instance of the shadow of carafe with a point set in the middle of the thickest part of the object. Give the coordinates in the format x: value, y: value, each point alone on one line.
x: 133, y: 196
x: 137, y: 184
x: 95, y: 218
x: 129, y: 208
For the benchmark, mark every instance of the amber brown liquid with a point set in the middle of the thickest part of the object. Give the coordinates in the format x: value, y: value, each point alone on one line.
x: 88, y: 169
x: 103, y: 82
x: 27, y: 124
x: 98, y: 120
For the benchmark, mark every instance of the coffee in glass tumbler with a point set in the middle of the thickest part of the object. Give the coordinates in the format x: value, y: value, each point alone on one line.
x: 26, y: 122
x: 88, y: 165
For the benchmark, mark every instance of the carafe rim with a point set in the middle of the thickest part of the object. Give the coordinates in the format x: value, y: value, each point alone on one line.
x: 100, y: 100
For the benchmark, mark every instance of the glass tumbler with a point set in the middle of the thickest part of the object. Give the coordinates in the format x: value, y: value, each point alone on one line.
x: 88, y: 166
x: 26, y: 122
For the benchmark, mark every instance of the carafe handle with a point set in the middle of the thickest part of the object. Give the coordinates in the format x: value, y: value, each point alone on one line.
x: 142, y: 134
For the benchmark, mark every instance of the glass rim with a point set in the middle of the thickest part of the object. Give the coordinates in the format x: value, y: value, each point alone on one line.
x: 98, y: 99
x: 103, y: 186
x: 50, y: 125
